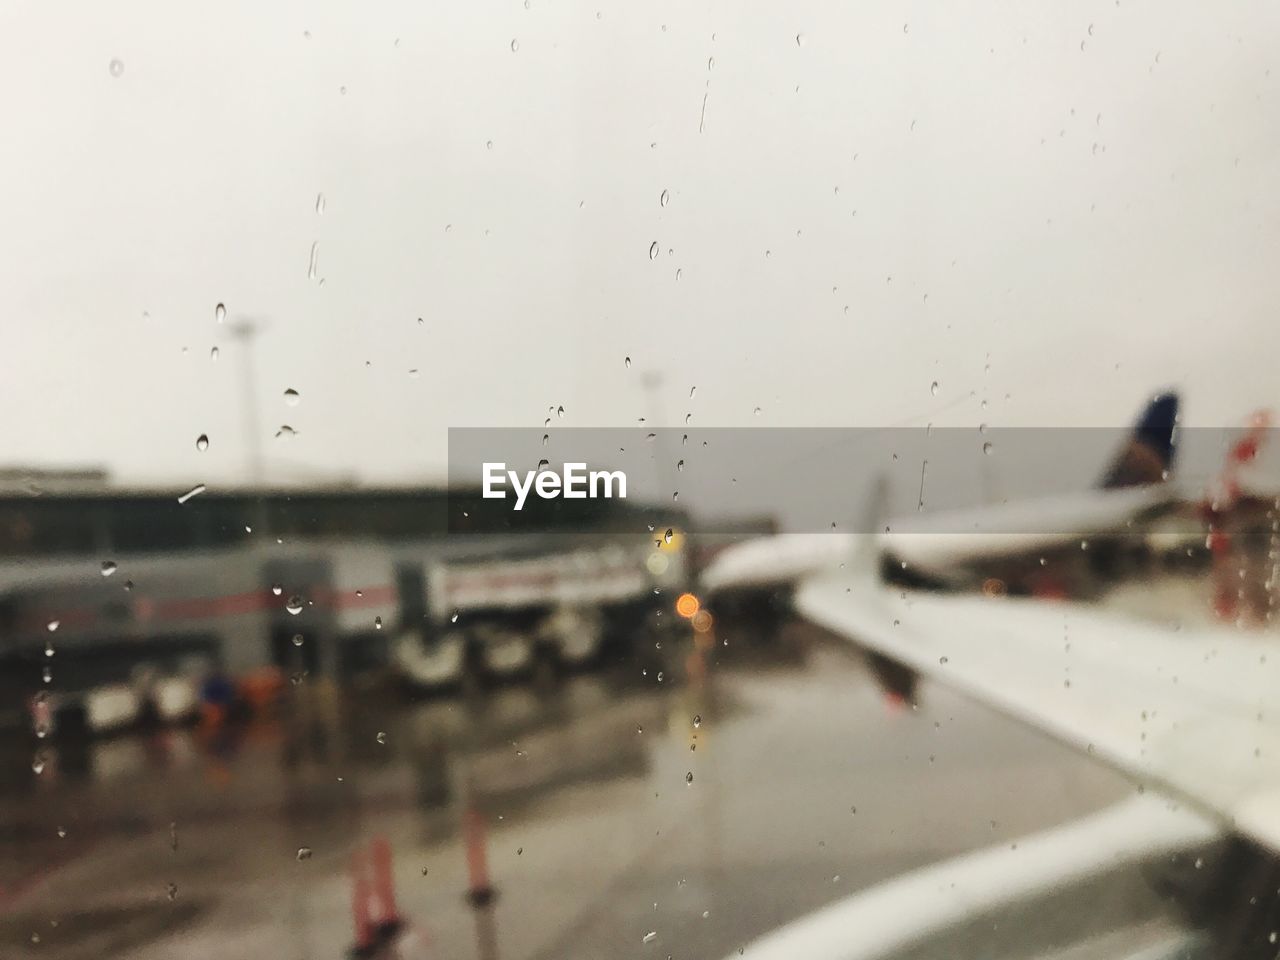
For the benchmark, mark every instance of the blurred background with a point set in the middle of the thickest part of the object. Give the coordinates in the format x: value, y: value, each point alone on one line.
x: 262, y: 651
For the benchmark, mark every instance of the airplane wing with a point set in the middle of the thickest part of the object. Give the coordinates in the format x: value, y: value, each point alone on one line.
x: 1185, y: 712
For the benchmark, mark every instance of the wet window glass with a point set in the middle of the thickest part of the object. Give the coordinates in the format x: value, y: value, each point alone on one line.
x: 540, y: 479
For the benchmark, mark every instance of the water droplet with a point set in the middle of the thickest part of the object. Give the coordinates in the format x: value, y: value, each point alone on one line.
x: 756, y: 411
x: 320, y: 203
x: 382, y: 737
x: 202, y: 442
x: 115, y: 68
x: 653, y: 250
x: 454, y: 618
x: 108, y: 567
x: 515, y: 46
x: 488, y: 144
x: 626, y: 362
x: 942, y: 660
x: 172, y: 891
x: 220, y: 313
x: 37, y: 764
x: 48, y: 648
x: 298, y: 640
x: 193, y: 492
x: 62, y: 833
x: 799, y: 39
x: 213, y: 354
x: 697, y: 720
x: 986, y: 447
x: 711, y: 64
x: 680, y: 466
x: 294, y: 605
x: 666, y: 537
x: 304, y: 853
x: 52, y: 625
x: 377, y: 623
x: 663, y: 198
x: 688, y: 777
x: 311, y: 265
x: 649, y: 937
x: 286, y: 432
x: 933, y: 388
x: 276, y: 589
x: 291, y: 398
x: 560, y: 413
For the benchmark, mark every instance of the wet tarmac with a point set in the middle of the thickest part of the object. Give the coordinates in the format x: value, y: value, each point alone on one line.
x: 674, y: 804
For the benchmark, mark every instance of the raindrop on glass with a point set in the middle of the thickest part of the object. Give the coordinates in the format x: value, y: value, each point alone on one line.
x: 193, y: 492
x: 297, y: 640
x: 653, y: 250
x: 304, y: 853
x: 108, y: 567
x: 294, y: 605
x: 515, y: 46
x: 202, y: 442
x: 116, y: 67
x: 320, y: 203
x: 382, y: 737
x: 291, y: 398
x: 663, y: 197
x: 52, y: 625
x: 933, y: 388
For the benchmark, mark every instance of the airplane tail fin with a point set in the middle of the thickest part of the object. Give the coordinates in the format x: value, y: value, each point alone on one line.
x: 1148, y: 452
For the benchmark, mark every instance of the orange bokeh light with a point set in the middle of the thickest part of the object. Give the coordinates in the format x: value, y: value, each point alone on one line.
x: 687, y: 605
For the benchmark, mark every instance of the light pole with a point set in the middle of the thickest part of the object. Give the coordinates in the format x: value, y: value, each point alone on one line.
x: 243, y: 330
x: 652, y: 380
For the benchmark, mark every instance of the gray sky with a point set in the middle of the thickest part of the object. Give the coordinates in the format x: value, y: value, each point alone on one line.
x: 1082, y: 196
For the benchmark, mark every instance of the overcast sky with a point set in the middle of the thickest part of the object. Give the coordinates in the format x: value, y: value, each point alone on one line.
x: 1055, y: 208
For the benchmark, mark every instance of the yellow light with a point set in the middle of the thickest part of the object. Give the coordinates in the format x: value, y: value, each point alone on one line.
x: 702, y: 621
x: 670, y: 540
x: 687, y: 605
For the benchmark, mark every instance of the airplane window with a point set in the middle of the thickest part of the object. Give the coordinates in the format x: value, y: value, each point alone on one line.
x: 540, y: 479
